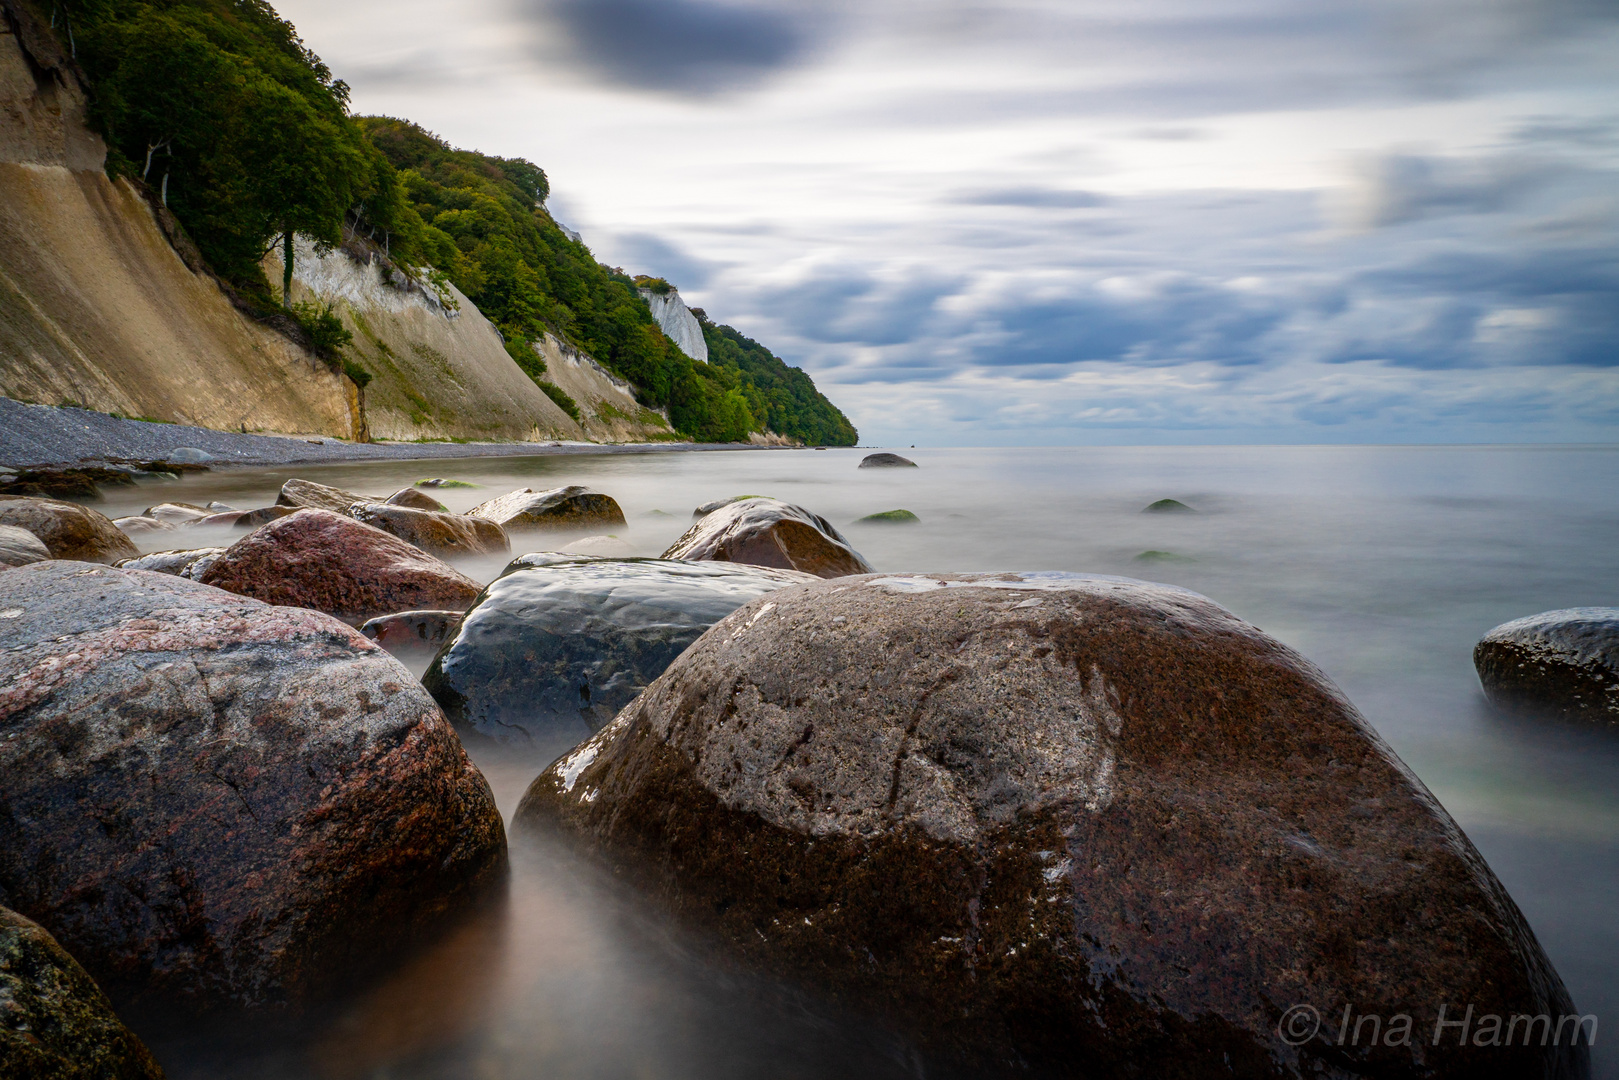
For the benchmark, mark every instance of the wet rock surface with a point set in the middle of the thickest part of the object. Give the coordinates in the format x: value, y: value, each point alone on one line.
x: 190, y: 563
x: 1562, y: 664
x: 418, y: 500
x: 441, y: 534
x: 890, y: 517
x: 559, y: 644
x: 55, y: 1023
x: 332, y: 563
x: 1053, y: 825
x: 886, y: 461
x: 306, y: 494
x: 414, y: 633
x: 68, y: 530
x: 178, y: 513
x: 768, y: 532
x: 215, y: 804
x: 19, y: 547
x: 714, y: 504
x: 141, y: 524
x: 571, y: 507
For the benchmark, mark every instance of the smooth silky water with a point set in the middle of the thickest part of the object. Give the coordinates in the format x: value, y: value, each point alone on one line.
x: 1382, y: 564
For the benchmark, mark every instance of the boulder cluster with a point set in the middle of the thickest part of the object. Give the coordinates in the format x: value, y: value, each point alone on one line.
x: 1037, y: 823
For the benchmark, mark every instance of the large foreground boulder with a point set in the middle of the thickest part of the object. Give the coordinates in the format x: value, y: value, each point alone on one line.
x: 441, y: 534
x: 218, y: 804
x: 1559, y: 663
x: 19, y: 547
x: 68, y: 530
x: 769, y: 532
x: 332, y: 563
x: 308, y: 495
x: 555, y: 647
x: 571, y: 507
x: 1055, y: 825
x: 55, y: 1023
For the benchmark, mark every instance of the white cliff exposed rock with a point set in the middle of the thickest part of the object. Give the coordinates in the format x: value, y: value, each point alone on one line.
x: 677, y: 322
x: 608, y: 410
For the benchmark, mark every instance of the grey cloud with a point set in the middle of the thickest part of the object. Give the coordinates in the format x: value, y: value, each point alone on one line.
x: 695, y: 47
x: 1031, y: 196
x: 1398, y: 188
x: 643, y: 253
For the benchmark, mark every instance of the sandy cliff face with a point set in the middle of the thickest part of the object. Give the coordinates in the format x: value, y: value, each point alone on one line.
x: 677, y: 322
x: 608, y: 411
x: 96, y: 307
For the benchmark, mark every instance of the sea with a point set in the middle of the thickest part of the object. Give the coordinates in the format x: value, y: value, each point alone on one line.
x: 1382, y: 564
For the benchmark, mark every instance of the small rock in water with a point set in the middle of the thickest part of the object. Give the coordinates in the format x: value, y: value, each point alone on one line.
x: 68, y: 530
x: 135, y: 526
x: 215, y: 804
x: 55, y: 1023
x: 19, y: 547
x: 709, y: 507
x: 306, y: 494
x: 1163, y: 557
x: 571, y: 507
x: 220, y: 508
x: 558, y: 644
x: 413, y: 632
x: 189, y: 455
x: 657, y: 514
x: 1168, y: 506
x: 608, y: 546
x: 886, y: 461
x: 891, y: 517
x: 1119, y: 832
x: 332, y: 563
x: 1558, y: 663
x: 416, y: 500
x: 769, y: 532
x: 440, y: 533
x: 190, y: 563
x: 177, y: 513
x: 440, y: 482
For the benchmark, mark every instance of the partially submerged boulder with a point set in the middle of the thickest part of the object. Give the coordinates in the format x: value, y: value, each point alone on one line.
x: 177, y: 513
x: 890, y: 517
x: 571, y: 507
x: 1563, y: 664
x: 332, y: 563
x: 68, y: 530
x: 306, y: 494
x: 218, y: 804
x: 55, y: 1023
x: 19, y: 547
x: 190, y: 563
x: 1167, y: 506
x: 413, y: 633
x: 557, y: 645
x: 441, y: 534
x: 417, y: 500
x: 769, y: 532
x: 1057, y: 825
x: 886, y: 461
x: 714, y: 504
x: 139, y: 524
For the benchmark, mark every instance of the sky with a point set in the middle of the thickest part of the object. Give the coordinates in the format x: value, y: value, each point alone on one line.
x: 1069, y: 222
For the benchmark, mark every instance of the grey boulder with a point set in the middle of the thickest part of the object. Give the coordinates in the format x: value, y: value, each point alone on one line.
x: 1562, y: 664
x: 19, y: 547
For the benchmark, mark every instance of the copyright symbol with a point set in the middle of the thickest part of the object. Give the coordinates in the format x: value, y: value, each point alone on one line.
x: 1298, y: 1025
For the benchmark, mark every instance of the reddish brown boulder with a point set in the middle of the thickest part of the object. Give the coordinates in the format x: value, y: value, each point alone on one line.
x: 571, y: 507
x: 55, y: 1023
x: 68, y: 530
x: 306, y: 494
x: 214, y: 803
x: 417, y: 500
x: 769, y: 532
x: 332, y: 563
x: 441, y: 534
x: 1055, y: 825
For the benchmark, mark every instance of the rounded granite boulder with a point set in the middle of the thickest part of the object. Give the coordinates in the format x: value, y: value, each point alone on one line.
x: 68, y: 530
x: 886, y: 461
x: 439, y: 533
x: 1058, y: 825
x: 308, y: 495
x: 417, y: 500
x: 19, y: 547
x: 769, y: 532
x: 55, y: 1023
x: 558, y: 644
x: 215, y: 804
x: 1559, y: 663
x: 330, y: 562
x: 191, y: 563
x: 571, y: 507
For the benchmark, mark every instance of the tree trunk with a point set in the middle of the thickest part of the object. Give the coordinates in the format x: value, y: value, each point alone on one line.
x: 286, y: 269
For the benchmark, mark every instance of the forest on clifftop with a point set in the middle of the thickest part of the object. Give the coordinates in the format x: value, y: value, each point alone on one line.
x: 220, y: 109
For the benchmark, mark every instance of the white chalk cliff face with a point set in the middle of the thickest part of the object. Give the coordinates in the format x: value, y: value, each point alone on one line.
x: 677, y: 322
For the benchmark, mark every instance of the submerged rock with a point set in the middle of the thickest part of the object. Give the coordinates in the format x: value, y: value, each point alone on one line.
x: 441, y: 534
x: 190, y: 563
x: 55, y: 1023
x: 714, y: 504
x: 19, y: 547
x: 68, y: 530
x: 440, y: 482
x: 1056, y: 825
x: 558, y: 644
x: 890, y: 517
x: 1558, y: 663
x: 332, y: 563
x: 140, y: 524
x: 218, y: 804
x: 177, y: 513
x: 571, y: 507
x: 768, y: 532
x: 416, y: 500
x: 306, y: 494
x: 1167, y: 506
x: 886, y: 461
x: 414, y: 633
x: 1155, y: 556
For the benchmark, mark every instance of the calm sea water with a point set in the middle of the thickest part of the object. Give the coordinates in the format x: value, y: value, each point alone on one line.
x: 1382, y: 564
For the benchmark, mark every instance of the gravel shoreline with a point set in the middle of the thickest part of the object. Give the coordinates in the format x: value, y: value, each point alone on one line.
x: 55, y: 436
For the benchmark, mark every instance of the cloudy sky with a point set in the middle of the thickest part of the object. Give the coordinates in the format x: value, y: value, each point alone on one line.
x: 1070, y: 221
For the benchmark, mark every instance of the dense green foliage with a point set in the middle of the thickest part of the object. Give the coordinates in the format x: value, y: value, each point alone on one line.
x: 219, y: 106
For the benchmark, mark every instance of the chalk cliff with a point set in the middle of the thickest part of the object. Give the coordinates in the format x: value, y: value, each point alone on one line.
x: 608, y: 411
x: 677, y: 322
